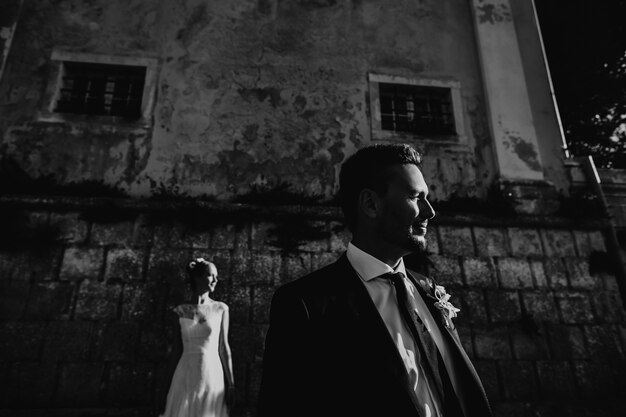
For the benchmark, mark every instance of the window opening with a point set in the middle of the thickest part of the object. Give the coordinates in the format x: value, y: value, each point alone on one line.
x: 416, y: 109
x: 101, y: 89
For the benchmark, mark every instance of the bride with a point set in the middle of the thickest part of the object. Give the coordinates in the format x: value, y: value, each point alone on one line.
x: 202, y: 385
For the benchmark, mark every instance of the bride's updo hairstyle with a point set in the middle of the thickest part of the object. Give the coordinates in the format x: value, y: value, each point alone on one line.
x: 197, y: 268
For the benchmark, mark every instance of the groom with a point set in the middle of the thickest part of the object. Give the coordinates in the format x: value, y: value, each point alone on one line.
x: 364, y: 336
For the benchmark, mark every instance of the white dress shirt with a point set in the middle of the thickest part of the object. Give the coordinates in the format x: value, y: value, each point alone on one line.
x: 383, y: 295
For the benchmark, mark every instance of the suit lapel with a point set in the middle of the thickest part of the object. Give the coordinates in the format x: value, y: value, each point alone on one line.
x: 474, y: 397
x: 374, y: 334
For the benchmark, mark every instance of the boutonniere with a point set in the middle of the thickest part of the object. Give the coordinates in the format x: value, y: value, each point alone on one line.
x: 442, y: 301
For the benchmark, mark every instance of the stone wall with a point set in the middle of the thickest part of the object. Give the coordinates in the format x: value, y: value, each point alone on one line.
x: 86, y: 289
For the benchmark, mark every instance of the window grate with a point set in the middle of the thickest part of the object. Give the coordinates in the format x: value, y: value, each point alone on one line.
x: 416, y: 109
x: 101, y: 89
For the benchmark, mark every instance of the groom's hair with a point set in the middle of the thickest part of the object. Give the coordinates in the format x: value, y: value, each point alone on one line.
x: 367, y: 169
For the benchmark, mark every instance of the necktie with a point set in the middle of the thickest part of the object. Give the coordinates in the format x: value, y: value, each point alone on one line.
x: 429, y: 387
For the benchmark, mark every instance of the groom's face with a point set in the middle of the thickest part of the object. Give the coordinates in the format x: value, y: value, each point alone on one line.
x: 405, y: 210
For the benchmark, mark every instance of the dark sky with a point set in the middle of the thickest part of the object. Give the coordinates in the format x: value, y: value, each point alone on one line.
x: 580, y: 37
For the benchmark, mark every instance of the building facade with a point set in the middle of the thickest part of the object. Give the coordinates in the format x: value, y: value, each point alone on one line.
x: 137, y: 134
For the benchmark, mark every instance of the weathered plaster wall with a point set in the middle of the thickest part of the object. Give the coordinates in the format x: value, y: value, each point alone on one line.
x: 544, y: 111
x: 261, y: 92
x: 8, y: 22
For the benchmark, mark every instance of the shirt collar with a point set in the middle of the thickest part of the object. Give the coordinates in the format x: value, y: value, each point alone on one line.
x: 369, y: 267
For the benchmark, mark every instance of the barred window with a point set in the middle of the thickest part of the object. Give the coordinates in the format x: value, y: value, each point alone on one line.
x: 416, y: 109
x: 101, y: 89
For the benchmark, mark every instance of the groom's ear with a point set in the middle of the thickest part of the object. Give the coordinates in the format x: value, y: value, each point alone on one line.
x: 369, y: 203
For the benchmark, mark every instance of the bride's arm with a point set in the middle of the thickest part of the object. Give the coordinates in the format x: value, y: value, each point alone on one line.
x: 226, y: 357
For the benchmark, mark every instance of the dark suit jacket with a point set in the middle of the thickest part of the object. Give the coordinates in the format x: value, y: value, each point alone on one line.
x: 328, y: 353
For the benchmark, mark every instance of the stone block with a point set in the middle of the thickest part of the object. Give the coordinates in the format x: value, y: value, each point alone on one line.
x: 525, y: 242
x: 558, y: 242
x: 180, y: 293
x: 539, y: 273
x: 117, y: 234
x: 124, y: 264
x: 262, y: 268
x: 20, y: 341
x: 241, y: 236
x: 555, y: 408
x: 575, y: 307
x: 195, y: 239
x: 597, y: 241
x: 579, y: 276
x: 518, y: 380
x: 556, y: 272
x: 223, y: 237
x: 473, y: 307
x: 261, y: 235
x: 504, y: 306
x: 81, y: 263
x: 515, y: 273
x: 491, y: 241
x: 116, y: 341
x: 32, y: 384
x: 540, y: 305
x: 488, y: 374
x: 162, y: 382
x: 465, y: 335
x: 29, y: 266
x: 155, y: 341
x: 168, y: 265
x: 50, y: 301
x: 79, y: 384
x: 316, y: 238
x: 240, y: 265
x: 167, y: 234
x: 446, y: 270
x: 13, y: 298
x: 129, y: 384
x: 255, y: 372
x: 67, y: 341
x: 566, y: 341
x: 341, y: 236
x: 492, y: 343
x: 609, y: 306
x: 583, y: 243
x: 479, y: 272
x: 143, y: 231
x: 239, y: 300
x: 529, y: 345
x: 556, y: 379
x: 241, y: 337
x: 97, y: 301
x: 603, y: 343
x: 261, y: 299
x: 510, y: 409
x: 6, y: 266
x: 294, y: 266
x: 609, y: 282
x: 456, y: 241
x: 319, y: 260
x: 73, y: 228
x: 595, y: 380
x: 143, y: 302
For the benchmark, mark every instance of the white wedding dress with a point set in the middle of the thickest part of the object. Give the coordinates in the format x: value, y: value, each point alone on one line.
x: 198, y: 388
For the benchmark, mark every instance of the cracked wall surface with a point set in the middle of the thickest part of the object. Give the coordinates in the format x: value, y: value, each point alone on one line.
x: 250, y: 94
